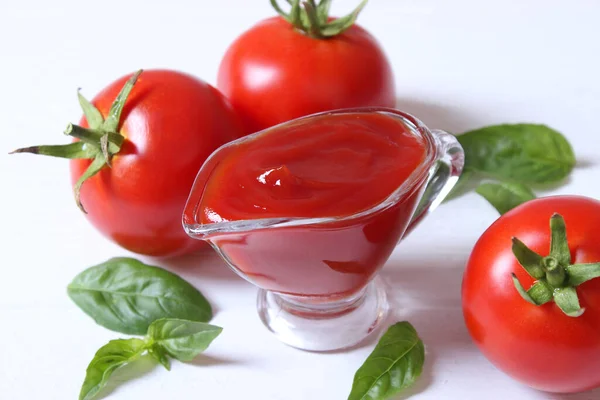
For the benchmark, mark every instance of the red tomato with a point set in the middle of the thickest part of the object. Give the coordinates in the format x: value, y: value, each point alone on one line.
x: 537, y: 345
x: 273, y: 73
x: 172, y: 122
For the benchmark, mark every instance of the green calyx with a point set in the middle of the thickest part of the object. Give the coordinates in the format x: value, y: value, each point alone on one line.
x: 312, y: 18
x: 99, y: 143
x: 556, y: 278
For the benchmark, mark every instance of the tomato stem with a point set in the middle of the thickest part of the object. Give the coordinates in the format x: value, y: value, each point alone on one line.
x: 95, y: 137
x: 98, y: 143
x: 556, y: 274
x: 313, y: 19
x: 556, y: 278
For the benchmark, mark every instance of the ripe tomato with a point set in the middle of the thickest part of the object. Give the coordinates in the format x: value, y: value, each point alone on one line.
x: 135, y: 156
x: 171, y: 123
x: 274, y: 73
x: 538, y: 345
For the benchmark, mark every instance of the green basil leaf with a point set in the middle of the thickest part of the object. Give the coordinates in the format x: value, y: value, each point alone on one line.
x: 395, y: 364
x: 505, y: 196
x: 160, y: 354
x: 125, y: 295
x: 525, y: 153
x: 183, y: 340
x: 111, y: 356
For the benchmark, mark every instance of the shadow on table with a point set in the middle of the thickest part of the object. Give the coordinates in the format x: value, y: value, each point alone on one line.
x: 146, y: 363
x: 204, y: 262
x: 205, y: 270
x: 591, y: 395
x: 209, y: 361
x: 452, y: 119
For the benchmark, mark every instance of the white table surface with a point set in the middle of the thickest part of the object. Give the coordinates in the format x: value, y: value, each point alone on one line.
x: 459, y: 65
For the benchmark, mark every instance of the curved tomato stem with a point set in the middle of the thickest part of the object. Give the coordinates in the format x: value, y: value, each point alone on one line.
x: 99, y: 143
x: 95, y: 167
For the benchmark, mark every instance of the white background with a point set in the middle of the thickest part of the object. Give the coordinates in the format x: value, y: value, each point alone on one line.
x: 459, y: 65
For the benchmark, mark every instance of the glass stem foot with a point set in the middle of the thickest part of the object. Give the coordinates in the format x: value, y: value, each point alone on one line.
x: 324, y: 326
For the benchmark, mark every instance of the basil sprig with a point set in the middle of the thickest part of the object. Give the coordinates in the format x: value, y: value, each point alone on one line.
x: 515, y: 155
x: 126, y: 295
x: 395, y: 364
x: 175, y: 338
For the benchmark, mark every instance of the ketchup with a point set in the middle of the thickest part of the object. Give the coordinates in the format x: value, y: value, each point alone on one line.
x: 332, y: 165
x: 336, y: 165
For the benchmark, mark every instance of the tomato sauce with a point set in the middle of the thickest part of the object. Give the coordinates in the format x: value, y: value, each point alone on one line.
x: 335, y: 165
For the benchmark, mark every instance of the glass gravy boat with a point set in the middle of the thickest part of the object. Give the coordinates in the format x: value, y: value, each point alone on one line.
x: 317, y: 276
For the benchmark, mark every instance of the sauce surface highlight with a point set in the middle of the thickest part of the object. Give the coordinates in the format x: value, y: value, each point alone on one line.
x: 326, y: 166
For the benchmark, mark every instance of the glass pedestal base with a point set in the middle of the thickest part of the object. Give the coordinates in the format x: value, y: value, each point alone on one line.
x: 324, y: 326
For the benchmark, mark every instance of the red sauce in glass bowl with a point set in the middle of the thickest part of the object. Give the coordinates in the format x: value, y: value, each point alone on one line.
x: 334, y: 166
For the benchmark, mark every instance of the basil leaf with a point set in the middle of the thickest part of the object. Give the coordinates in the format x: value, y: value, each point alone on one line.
x: 505, y: 196
x: 395, y: 364
x: 160, y: 354
x: 111, y: 356
x: 525, y: 153
x: 125, y: 295
x: 183, y: 340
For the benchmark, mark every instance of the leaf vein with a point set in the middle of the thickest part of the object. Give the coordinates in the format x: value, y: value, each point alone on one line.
x: 390, y: 367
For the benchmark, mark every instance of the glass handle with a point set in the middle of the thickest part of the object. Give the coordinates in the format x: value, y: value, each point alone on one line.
x: 443, y: 175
